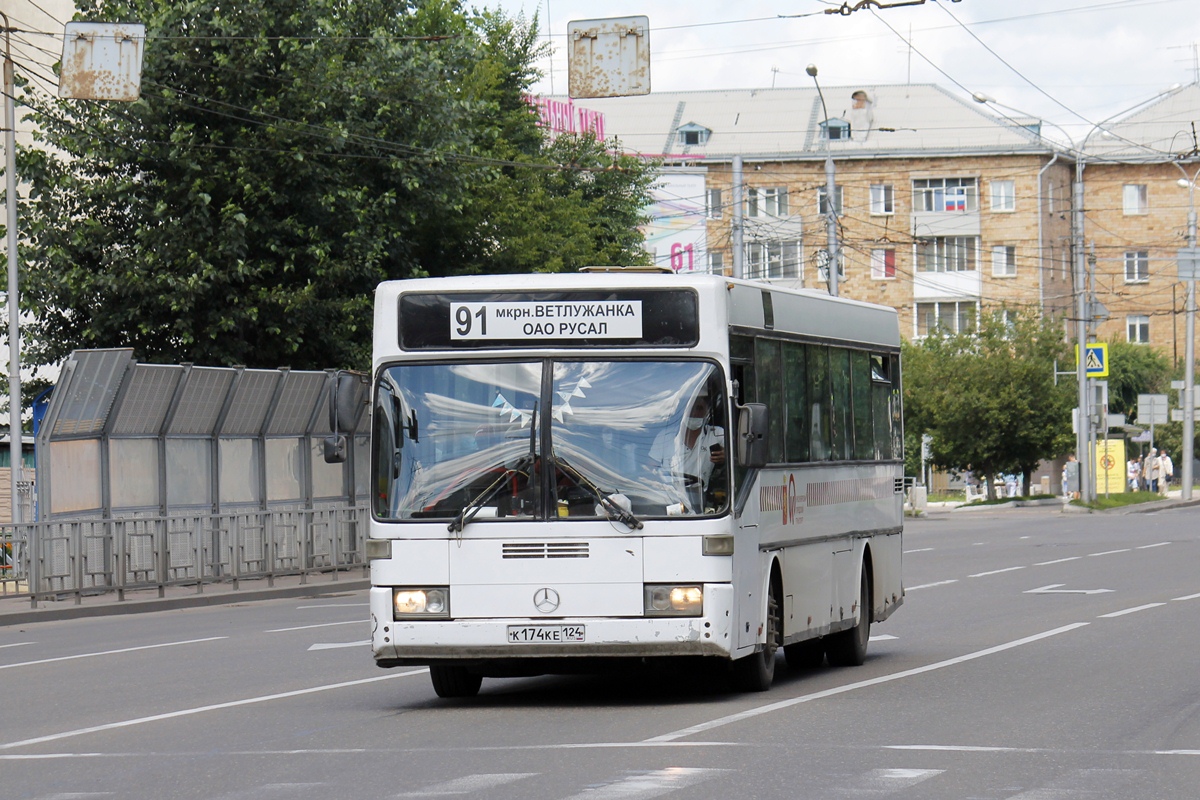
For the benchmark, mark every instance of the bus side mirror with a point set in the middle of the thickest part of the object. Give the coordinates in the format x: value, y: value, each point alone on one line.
x: 752, y: 435
x: 343, y: 410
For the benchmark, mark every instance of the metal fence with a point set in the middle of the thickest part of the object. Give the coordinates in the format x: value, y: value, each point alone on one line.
x: 72, y: 558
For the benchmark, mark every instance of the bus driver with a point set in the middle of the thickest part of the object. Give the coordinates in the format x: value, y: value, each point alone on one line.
x: 692, y: 453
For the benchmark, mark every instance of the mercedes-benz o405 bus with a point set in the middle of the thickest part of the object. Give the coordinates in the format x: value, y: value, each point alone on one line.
x: 572, y: 469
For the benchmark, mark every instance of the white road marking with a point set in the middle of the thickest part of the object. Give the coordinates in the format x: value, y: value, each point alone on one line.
x: 930, y: 585
x: 648, y: 784
x: 918, y: 550
x: 111, y: 652
x: 886, y: 781
x: 1130, y: 610
x: 1148, y: 546
x: 1187, y: 597
x: 882, y: 637
x: 1053, y: 589
x: 201, y: 709
x: 333, y: 605
x: 1057, y: 561
x: 322, y: 625
x: 1107, y: 553
x: 354, y: 751
x: 908, y: 673
x: 960, y: 748
x: 468, y: 784
x: 337, y: 645
x: 994, y: 572
x: 16, y: 644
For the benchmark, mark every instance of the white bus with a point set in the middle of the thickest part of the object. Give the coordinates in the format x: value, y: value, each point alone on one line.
x: 568, y: 470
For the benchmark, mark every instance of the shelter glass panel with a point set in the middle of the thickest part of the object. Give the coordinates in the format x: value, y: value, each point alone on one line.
x: 284, y: 469
x: 238, y: 480
x: 327, y: 479
x: 75, y: 475
x: 133, y: 464
x: 189, y: 472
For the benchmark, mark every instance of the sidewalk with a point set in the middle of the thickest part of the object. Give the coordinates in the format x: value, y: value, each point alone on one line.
x: 17, y: 610
x: 1174, y: 499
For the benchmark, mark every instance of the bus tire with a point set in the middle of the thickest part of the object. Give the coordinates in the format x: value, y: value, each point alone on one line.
x: 849, y: 648
x: 809, y: 654
x: 756, y: 673
x: 450, y: 681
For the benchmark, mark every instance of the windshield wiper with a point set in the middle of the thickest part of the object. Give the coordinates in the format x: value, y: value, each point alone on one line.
x: 472, y: 508
x: 609, y: 505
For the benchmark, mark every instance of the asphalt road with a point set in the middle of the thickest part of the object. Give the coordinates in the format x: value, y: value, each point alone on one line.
x: 1038, y: 656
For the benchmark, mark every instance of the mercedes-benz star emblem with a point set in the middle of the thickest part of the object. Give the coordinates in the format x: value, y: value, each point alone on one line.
x: 545, y: 600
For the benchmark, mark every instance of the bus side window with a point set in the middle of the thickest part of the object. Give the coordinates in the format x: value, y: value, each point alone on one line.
x: 818, y: 398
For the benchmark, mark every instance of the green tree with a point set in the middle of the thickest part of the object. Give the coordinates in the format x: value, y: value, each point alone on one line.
x: 283, y: 159
x: 988, y: 397
x: 1134, y: 369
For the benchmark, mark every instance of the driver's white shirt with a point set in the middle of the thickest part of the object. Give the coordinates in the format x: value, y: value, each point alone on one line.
x: 672, y: 452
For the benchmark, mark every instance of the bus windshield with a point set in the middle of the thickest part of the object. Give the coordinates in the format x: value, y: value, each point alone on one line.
x: 550, y: 439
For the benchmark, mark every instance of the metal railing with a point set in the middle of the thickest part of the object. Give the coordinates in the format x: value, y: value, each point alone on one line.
x: 73, y: 558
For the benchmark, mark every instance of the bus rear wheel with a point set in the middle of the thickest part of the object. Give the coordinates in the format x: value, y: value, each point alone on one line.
x: 450, y: 681
x: 849, y: 648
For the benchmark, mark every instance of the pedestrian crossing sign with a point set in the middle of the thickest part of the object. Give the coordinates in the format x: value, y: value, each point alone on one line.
x: 1096, y: 359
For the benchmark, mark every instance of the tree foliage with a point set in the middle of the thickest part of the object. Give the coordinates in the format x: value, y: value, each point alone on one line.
x: 1134, y: 369
x: 283, y: 159
x: 989, y: 398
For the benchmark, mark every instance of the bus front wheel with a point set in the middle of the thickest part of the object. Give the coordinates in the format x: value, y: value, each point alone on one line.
x: 756, y: 673
x: 454, y: 681
x: 849, y: 648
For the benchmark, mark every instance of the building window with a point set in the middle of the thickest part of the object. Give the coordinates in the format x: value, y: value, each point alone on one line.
x: 766, y: 260
x: 1134, y: 198
x: 1137, y: 266
x: 713, y: 210
x: 1137, y: 329
x: 771, y: 201
x: 950, y: 317
x: 716, y: 263
x: 881, y: 199
x: 948, y: 254
x: 1004, y: 197
x: 945, y: 194
x: 1004, y: 261
x: 883, y: 263
x: 822, y: 208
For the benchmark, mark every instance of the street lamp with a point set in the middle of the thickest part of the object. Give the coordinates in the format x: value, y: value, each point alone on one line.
x: 1189, y: 348
x: 831, y: 234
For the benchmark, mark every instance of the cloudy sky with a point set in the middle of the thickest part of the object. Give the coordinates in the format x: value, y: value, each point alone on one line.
x: 1071, y: 62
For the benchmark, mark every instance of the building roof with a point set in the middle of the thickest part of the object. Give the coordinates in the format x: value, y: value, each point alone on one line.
x: 897, y: 120
x: 1160, y: 130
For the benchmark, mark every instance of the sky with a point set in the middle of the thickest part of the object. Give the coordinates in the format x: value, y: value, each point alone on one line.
x: 1073, y: 63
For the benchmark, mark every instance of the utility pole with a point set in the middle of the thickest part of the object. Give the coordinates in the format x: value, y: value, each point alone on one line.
x: 831, y: 232
x: 738, y: 254
x: 1083, y: 428
x: 14, y: 323
x: 1187, y: 401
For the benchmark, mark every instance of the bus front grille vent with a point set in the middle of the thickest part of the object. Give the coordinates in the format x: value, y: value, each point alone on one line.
x: 897, y: 485
x: 545, y: 550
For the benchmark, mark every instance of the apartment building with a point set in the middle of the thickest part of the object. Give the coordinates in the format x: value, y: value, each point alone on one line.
x: 944, y: 210
x: 1139, y: 182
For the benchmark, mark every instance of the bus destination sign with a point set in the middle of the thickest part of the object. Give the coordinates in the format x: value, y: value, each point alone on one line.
x: 537, y: 321
x: 645, y: 317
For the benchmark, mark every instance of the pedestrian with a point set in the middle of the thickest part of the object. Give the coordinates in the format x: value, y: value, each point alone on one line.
x: 1150, y: 471
x: 1166, y: 470
x: 1133, y: 471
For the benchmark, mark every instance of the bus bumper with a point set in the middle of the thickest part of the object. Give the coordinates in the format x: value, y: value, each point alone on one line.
x: 398, y: 643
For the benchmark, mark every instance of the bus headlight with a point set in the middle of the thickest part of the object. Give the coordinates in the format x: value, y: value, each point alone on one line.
x: 424, y: 603
x: 673, y: 601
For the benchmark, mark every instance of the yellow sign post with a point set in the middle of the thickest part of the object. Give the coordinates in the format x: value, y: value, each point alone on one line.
x: 1112, y: 475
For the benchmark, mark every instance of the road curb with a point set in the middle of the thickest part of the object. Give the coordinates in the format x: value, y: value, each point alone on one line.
x: 216, y: 598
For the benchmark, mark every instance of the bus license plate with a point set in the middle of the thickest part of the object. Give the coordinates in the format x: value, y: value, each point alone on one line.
x: 548, y: 634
